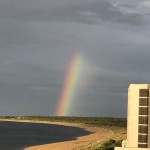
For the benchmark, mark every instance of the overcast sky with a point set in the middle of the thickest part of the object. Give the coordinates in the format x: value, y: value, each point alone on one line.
x: 38, y: 40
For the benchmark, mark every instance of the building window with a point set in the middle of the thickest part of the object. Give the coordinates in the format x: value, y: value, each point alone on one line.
x: 143, y: 129
x: 142, y: 145
x: 143, y: 102
x: 143, y: 110
x: 143, y: 93
x: 142, y: 138
x: 143, y: 120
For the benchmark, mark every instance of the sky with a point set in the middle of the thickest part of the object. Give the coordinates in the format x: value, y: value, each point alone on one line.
x: 38, y: 40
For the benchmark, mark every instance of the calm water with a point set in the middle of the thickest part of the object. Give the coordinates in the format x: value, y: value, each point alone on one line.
x: 17, y: 136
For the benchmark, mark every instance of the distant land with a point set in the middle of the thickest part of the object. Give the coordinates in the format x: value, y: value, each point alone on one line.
x: 98, y: 121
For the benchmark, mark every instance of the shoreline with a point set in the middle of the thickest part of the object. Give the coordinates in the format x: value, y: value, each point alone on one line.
x: 97, y: 134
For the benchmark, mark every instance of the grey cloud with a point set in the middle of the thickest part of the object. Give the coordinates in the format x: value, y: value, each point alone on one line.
x: 106, y: 11
x: 79, y: 11
x: 109, y: 87
x: 20, y: 85
x: 38, y: 40
x: 28, y: 74
x: 129, y: 62
x: 134, y: 19
x: 16, y: 33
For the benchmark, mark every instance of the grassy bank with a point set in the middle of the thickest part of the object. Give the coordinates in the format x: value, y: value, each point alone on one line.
x: 98, y: 121
x: 106, y: 145
x: 114, y: 140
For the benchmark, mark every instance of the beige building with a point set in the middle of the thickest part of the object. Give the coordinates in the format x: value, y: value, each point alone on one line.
x: 138, y: 120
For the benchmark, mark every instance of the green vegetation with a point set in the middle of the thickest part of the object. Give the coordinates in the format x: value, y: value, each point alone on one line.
x: 109, y: 145
x: 98, y: 121
x: 106, y: 145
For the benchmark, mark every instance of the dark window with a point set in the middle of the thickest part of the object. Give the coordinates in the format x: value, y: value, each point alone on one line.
x: 143, y: 110
x: 142, y: 145
x: 143, y: 129
x: 144, y: 93
x: 143, y: 102
x: 142, y: 138
x: 143, y: 120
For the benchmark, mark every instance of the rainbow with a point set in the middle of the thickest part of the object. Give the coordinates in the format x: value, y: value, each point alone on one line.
x: 69, y: 86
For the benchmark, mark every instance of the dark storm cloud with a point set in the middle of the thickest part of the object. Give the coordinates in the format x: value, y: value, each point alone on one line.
x: 28, y: 76
x: 129, y: 62
x: 109, y: 87
x: 24, y: 87
x: 15, y: 32
x: 63, y: 10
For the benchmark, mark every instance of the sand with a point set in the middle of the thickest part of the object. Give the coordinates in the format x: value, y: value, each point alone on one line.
x: 98, y: 134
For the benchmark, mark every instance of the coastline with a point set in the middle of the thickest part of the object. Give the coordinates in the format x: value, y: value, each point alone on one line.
x: 96, y: 134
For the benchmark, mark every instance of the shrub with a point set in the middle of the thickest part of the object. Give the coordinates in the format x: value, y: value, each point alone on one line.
x: 109, y: 145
